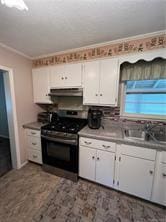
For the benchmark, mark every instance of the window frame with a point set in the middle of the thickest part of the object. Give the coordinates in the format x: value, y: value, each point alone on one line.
x: 134, y: 116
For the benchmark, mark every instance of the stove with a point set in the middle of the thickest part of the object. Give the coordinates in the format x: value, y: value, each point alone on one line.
x: 60, y: 145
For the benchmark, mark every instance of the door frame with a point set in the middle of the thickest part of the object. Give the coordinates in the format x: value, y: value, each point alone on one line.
x: 12, y: 116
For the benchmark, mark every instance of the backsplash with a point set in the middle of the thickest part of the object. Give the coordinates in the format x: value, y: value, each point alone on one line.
x: 114, y: 49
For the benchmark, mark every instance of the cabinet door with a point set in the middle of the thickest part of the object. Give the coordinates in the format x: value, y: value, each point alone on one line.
x: 91, y: 83
x: 41, y: 85
x: 136, y: 176
x: 109, y: 80
x: 57, y: 76
x: 105, y: 162
x: 159, y: 191
x: 73, y: 75
x: 87, y: 164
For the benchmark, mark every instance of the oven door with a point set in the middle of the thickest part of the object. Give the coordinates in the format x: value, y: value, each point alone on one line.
x: 60, y: 154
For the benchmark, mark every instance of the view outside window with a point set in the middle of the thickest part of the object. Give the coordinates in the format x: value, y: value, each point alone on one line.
x: 146, y: 97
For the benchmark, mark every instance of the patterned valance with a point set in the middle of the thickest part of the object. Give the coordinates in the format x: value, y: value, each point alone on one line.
x: 144, y: 70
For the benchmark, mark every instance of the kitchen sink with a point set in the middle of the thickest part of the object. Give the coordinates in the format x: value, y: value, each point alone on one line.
x: 140, y: 135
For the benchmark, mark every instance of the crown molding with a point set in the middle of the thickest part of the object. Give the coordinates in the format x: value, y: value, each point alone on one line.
x: 102, y: 44
x: 15, y: 51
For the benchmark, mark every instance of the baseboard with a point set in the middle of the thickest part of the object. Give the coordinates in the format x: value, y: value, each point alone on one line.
x: 23, y: 164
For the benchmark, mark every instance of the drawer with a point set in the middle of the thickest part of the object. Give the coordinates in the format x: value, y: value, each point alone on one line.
x: 163, y: 158
x: 140, y: 152
x: 34, y: 142
x: 35, y: 156
x: 31, y: 132
x: 98, y: 144
x: 89, y: 142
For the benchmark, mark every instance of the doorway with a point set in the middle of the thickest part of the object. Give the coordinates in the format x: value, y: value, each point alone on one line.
x: 5, y: 153
x: 9, y: 140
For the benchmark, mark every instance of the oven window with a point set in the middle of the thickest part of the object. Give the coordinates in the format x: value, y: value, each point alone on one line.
x: 58, y: 151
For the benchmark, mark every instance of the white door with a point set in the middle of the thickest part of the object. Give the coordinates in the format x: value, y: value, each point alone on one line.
x: 87, y: 158
x: 41, y: 86
x: 57, y: 76
x: 105, y: 163
x: 91, y: 83
x: 73, y: 75
x: 136, y: 176
x: 109, y: 81
x: 159, y: 191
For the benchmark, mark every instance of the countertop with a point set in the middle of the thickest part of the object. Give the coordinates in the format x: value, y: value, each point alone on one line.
x: 113, y: 132
x: 34, y: 125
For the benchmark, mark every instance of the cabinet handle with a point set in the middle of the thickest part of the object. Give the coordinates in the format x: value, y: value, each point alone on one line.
x: 34, y: 156
x: 34, y: 144
x: 119, y: 158
x: 106, y: 146
x: 98, y: 158
x: 33, y: 133
x: 101, y: 94
x: 93, y: 157
x: 96, y: 94
x: 151, y: 172
x: 88, y: 143
x: 164, y: 174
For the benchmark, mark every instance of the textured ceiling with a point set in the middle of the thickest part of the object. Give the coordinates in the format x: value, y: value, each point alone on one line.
x: 56, y: 25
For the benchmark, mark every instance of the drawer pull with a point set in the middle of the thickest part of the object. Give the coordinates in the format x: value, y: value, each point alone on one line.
x: 106, y: 146
x: 151, y: 172
x: 34, y: 144
x: 164, y: 174
x: 34, y: 156
x: 88, y: 143
x: 33, y: 133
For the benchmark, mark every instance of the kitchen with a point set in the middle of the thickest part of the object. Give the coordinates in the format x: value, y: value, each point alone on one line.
x: 98, y: 124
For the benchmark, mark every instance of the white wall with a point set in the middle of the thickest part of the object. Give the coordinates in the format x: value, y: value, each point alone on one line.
x: 3, y: 113
x: 25, y: 108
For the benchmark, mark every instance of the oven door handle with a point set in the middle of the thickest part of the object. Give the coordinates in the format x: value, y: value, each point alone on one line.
x: 66, y: 141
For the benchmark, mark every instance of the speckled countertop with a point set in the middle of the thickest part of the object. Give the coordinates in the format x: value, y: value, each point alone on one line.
x: 33, y: 125
x: 113, y: 132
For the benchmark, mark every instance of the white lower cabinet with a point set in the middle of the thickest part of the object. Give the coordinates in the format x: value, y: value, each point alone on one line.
x: 159, y: 188
x: 135, y: 170
x: 95, y: 164
x: 87, y: 157
x: 105, y: 167
x: 34, y: 145
x: 136, y: 176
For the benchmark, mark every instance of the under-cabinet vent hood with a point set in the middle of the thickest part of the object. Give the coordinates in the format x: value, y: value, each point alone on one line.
x: 66, y: 92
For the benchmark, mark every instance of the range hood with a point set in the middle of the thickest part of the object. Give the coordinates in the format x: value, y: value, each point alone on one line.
x: 66, y: 92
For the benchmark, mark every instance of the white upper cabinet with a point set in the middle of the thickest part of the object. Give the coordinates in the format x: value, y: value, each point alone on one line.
x: 101, y: 82
x: 109, y: 81
x: 91, y: 83
x: 66, y: 76
x: 41, y: 86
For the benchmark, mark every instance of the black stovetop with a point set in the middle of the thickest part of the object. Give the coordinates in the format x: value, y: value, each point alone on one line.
x: 66, y: 125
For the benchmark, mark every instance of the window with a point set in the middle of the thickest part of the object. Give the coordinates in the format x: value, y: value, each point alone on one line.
x: 145, y: 98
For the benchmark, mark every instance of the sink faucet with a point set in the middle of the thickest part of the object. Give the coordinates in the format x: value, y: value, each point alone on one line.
x: 148, y: 131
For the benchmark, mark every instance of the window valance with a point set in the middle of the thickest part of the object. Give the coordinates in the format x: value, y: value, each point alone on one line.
x: 144, y: 70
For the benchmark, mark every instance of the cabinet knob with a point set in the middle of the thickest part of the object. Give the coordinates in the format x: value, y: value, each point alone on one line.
x: 65, y: 77
x: 98, y: 158
x: 34, y: 156
x: 93, y: 157
x: 164, y: 174
x: 151, y: 172
x: 106, y: 147
x: 88, y: 143
x: 62, y: 78
x: 101, y: 94
x: 96, y: 94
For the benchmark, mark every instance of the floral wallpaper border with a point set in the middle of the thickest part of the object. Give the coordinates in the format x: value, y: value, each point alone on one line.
x: 132, y: 46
